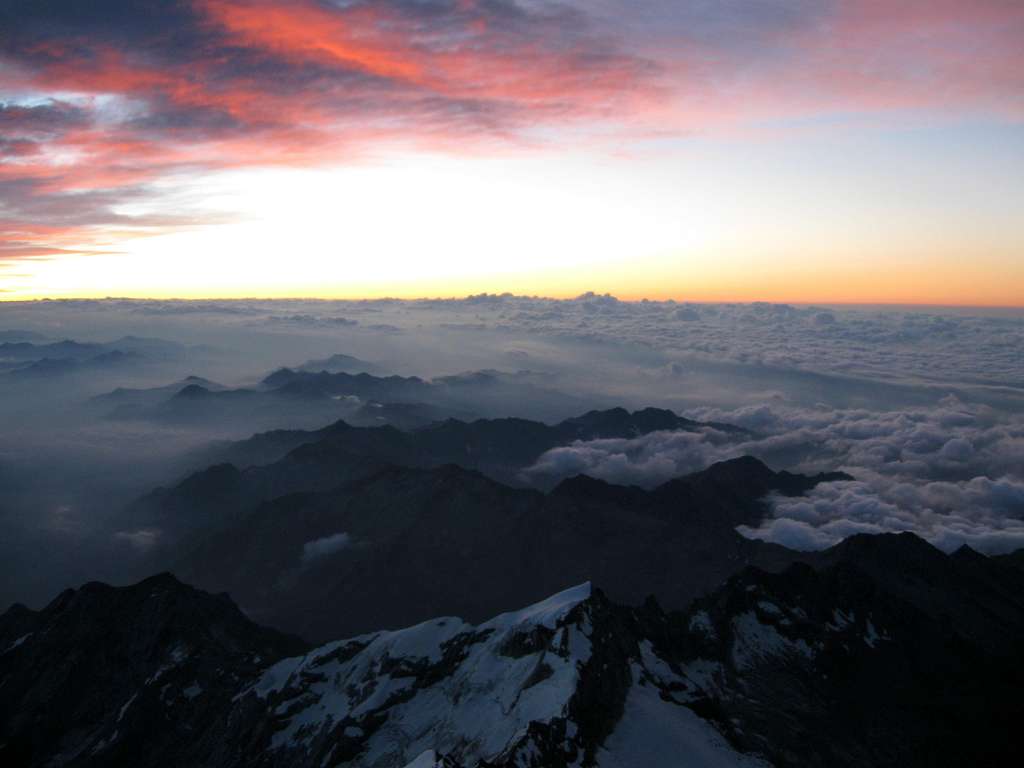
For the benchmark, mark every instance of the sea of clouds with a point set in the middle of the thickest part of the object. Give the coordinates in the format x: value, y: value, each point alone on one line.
x: 924, y: 407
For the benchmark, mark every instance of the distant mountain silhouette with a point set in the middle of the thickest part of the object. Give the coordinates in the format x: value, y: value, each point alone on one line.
x: 33, y: 360
x: 291, y: 461
x: 498, y: 447
x: 340, y: 363
x: 63, y: 366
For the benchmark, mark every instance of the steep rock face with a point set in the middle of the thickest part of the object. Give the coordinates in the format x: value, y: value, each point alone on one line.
x: 103, y: 675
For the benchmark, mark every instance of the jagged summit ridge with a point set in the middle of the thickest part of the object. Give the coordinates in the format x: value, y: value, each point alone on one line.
x: 776, y: 669
x: 545, y: 685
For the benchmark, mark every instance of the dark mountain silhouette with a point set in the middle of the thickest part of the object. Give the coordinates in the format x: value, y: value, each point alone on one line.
x: 832, y: 665
x: 339, y: 453
x: 30, y: 360
x: 57, y: 350
x: 1013, y: 559
x: 14, y: 335
x: 285, y: 397
x: 69, y: 349
x: 399, y: 545
x: 497, y: 447
x: 62, y: 366
x: 129, y: 403
x: 875, y: 658
x: 322, y: 384
x: 340, y: 363
x: 141, y: 669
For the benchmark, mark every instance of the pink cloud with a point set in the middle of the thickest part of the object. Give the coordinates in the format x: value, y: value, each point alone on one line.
x: 235, y: 83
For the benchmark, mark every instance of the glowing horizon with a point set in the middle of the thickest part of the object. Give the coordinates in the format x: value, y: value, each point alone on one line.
x: 841, y: 152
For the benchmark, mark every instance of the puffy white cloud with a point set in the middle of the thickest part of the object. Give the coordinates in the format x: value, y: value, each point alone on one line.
x: 953, y: 473
x: 141, y: 540
x: 984, y: 513
x: 328, y: 545
x: 645, y: 461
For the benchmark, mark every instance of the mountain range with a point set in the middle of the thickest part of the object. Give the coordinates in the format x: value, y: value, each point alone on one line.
x: 300, y: 396
x: 368, y: 544
x: 318, y: 572
x: 32, y: 359
x: 501, y: 447
x: 870, y: 657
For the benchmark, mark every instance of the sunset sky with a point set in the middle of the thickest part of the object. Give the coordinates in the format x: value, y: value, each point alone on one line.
x: 791, y: 150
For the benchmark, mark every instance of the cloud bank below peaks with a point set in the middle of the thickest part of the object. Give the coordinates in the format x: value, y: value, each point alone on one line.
x: 950, y: 473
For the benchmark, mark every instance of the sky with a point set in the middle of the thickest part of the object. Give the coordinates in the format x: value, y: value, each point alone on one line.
x: 830, y: 151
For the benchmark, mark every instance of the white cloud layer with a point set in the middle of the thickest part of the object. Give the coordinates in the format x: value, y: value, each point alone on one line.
x: 922, y: 405
x: 952, y: 473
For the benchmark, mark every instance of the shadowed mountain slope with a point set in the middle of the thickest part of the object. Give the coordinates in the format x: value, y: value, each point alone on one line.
x: 288, y: 461
x: 838, y: 665
x: 400, y: 545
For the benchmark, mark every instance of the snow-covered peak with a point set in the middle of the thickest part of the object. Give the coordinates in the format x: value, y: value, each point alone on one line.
x: 390, y: 698
x: 519, y: 690
x: 546, y: 613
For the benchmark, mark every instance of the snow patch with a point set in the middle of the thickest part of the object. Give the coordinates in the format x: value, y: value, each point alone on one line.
x: 18, y: 642
x: 654, y: 664
x: 871, y: 635
x: 124, y: 707
x: 840, y: 620
x: 478, y: 709
x: 753, y: 641
x: 426, y: 760
x: 193, y: 690
x: 654, y: 733
x: 274, y: 679
x: 701, y: 622
x: 104, y: 743
x: 545, y: 613
x: 704, y: 674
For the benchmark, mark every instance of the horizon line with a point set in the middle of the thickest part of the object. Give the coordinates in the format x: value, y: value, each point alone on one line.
x: 465, y: 297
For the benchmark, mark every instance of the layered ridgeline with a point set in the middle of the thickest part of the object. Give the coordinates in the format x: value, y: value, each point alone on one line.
x: 400, y: 544
x: 290, y: 397
x: 268, y: 465
x: 34, y: 359
x: 500, y: 447
x: 393, y: 523
x: 889, y: 653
